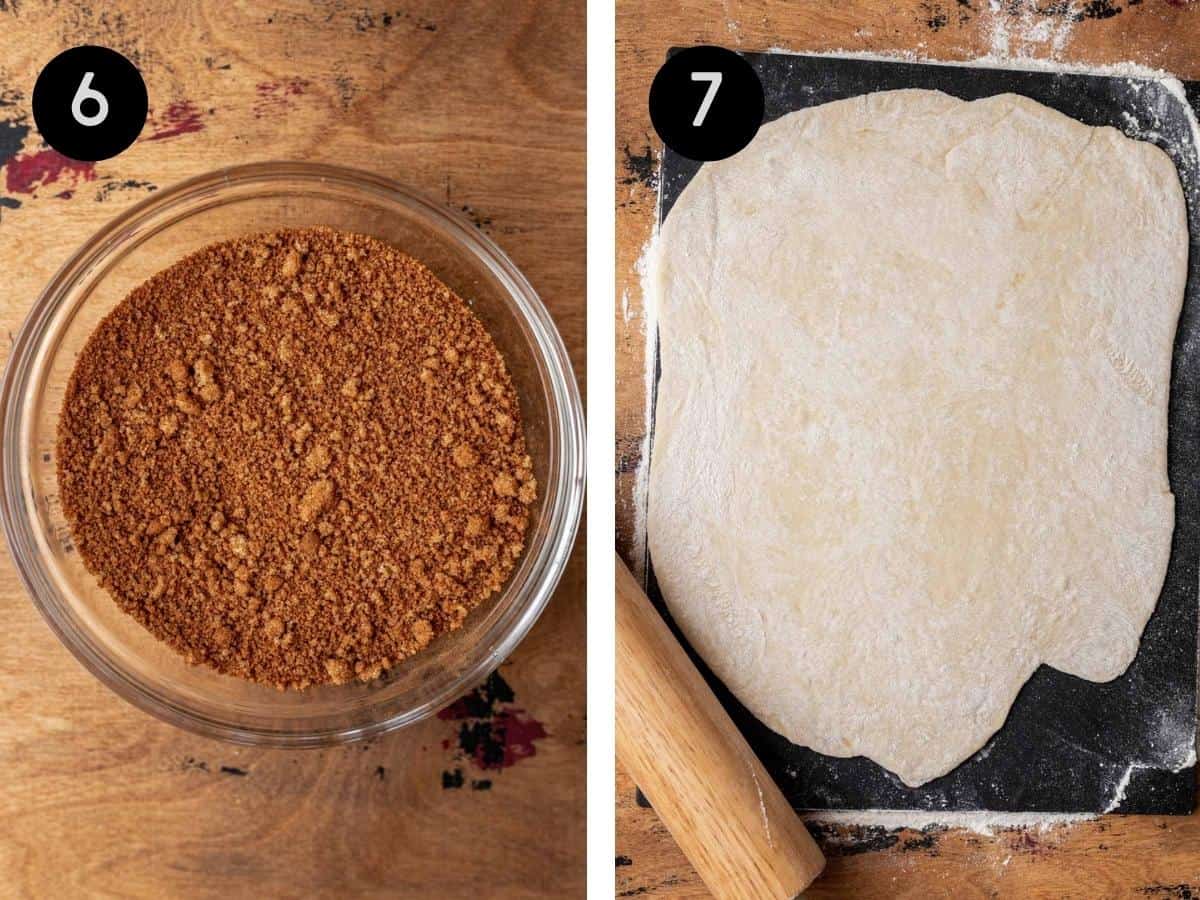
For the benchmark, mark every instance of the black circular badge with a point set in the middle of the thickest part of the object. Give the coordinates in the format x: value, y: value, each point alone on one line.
x: 706, y: 103
x: 90, y: 103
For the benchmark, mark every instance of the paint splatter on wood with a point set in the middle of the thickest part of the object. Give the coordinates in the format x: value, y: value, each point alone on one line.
x: 179, y: 118
x: 934, y: 16
x: 491, y: 734
x: 366, y: 20
x: 641, y: 168
x: 191, y: 764
x: 277, y: 98
x: 1172, y: 891
x: 851, y: 840
x: 26, y: 172
x: 14, y: 129
x: 108, y: 188
x: 937, y: 15
x: 12, y: 138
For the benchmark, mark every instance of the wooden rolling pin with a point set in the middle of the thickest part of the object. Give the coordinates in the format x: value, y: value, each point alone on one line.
x: 697, y: 770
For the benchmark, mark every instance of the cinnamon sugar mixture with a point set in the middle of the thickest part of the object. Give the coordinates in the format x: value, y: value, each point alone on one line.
x: 295, y: 457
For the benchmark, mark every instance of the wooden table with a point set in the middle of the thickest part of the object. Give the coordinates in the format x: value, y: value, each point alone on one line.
x: 480, y: 104
x: 1116, y: 856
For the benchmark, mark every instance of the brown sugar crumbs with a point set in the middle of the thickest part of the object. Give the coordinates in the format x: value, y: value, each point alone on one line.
x: 295, y: 457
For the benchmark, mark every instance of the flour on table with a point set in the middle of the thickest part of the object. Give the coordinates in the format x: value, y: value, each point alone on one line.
x: 911, y: 425
x: 978, y: 821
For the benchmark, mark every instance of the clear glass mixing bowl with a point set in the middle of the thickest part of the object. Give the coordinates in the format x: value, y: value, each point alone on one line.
x: 151, y: 236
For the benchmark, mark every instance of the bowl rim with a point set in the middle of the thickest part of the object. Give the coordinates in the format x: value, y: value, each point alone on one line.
x: 568, y: 444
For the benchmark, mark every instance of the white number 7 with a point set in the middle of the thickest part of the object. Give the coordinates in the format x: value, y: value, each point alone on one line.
x: 714, y: 82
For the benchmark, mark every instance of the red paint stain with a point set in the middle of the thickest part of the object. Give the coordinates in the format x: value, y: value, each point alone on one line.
x: 181, y: 117
x: 25, y: 173
x: 274, y: 97
x: 518, y: 732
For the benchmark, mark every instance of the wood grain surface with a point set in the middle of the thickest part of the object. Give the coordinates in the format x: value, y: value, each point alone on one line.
x: 480, y: 104
x: 1116, y: 856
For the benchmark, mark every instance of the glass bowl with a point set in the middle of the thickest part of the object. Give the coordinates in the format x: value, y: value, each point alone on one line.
x: 148, y: 238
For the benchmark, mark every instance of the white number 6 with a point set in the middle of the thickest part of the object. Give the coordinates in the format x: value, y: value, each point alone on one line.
x: 85, y: 92
x: 714, y: 82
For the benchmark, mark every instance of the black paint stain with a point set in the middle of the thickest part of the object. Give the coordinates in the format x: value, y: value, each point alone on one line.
x: 190, y: 763
x: 934, y: 16
x: 667, y: 883
x: 1099, y: 9
x: 641, y: 799
x: 112, y: 187
x: 452, y: 779
x: 928, y: 841
x: 641, y: 168
x: 482, y: 784
x: 852, y: 840
x: 367, y: 21
x: 478, y: 219
x: 10, y: 203
x: 482, y: 702
x: 380, y: 773
x: 624, y: 861
x: 12, y: 138
x: 1175, y: 891
x: 476, y: 741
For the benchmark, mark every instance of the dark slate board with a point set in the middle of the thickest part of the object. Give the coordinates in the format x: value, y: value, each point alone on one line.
x: 1067, y: 743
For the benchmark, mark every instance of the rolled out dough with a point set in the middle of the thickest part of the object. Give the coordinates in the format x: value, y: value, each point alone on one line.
x: 911, y: 426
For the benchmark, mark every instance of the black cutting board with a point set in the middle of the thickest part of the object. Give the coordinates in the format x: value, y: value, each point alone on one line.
x: 1069, y: 745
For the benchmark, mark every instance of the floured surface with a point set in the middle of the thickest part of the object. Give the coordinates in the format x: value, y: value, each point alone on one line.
x: 981, y: 822
x: 911, y: 425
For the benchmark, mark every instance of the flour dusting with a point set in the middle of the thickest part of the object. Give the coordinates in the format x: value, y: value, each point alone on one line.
x: 1025, y: 30
x: 979, y: 822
